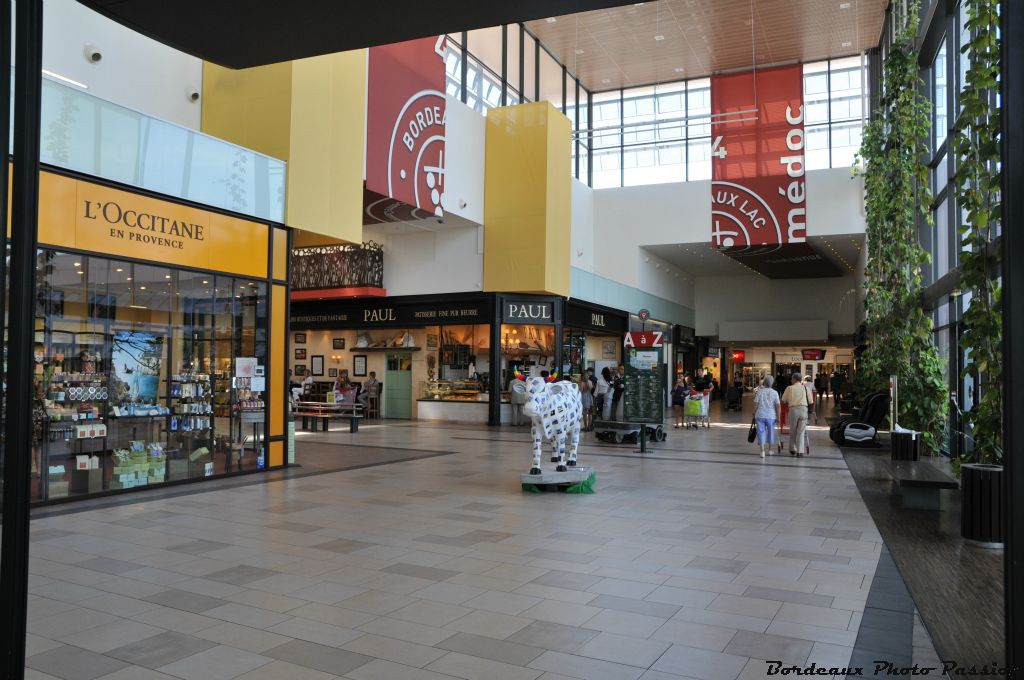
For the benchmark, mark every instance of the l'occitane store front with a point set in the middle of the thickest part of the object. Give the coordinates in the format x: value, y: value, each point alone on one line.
x: 160, y: 342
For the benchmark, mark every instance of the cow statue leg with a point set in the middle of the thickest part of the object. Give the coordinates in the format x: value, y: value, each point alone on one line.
x: 535, y: 431
x: 557, y: 429
x: 574, y: 444
x: 561, y: 451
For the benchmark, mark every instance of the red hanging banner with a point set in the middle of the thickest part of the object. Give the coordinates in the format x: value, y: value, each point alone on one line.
x: 405, y: 126
x: 757, y: 160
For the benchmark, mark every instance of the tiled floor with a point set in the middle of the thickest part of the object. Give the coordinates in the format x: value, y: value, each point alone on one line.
x: 696, y: 560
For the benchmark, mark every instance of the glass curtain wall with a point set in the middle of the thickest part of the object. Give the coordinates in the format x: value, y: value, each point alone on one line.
x: 527, y: 73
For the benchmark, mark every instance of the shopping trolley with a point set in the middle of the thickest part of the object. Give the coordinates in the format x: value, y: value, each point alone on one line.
x: 695, y: 410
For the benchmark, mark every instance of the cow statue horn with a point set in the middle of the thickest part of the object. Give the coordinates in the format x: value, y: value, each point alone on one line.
x: 552, y: 378
x: 518, y: 375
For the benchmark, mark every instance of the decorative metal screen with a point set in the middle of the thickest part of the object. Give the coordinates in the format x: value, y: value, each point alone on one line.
x: 346, y: 266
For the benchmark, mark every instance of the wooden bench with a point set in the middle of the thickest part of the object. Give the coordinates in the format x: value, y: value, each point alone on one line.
x: 921, y: 484
x: 313, y: 411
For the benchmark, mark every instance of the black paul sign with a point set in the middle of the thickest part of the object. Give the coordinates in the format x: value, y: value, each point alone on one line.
x: 384, y: 313
x: 599, y: 319
x: 528, y: 311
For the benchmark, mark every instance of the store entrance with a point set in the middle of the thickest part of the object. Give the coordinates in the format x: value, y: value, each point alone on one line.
x: 398, y: 378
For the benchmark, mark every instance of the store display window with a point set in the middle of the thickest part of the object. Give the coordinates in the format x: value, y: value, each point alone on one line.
x: 458, y: 363
x: 144, y: 374
x: 529, y: 349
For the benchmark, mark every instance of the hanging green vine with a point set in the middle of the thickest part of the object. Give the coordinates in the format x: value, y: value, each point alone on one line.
x: 976, y: 147
x: 899, y: 332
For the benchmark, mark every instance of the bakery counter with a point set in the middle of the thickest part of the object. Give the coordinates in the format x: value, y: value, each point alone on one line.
x: 458, y: 410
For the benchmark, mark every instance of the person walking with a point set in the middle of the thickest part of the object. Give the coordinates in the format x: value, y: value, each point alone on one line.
x: 798, y: 398
x: 679, y: 394
x: 587, y: 400
x: 618, y: 389
x: 766, y: 414
x: 836, y: 383
x: 812, y: 408
x: 602, y: 402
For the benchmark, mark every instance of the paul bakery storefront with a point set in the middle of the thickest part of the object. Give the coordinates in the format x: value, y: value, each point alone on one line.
x: 592, y: 337
x: 159, y: 342
x: 438, y: 357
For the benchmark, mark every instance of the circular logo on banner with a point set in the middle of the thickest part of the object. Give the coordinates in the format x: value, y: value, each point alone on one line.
x: 416, y: 153
x: 644, y: 315
x: 741, y: 219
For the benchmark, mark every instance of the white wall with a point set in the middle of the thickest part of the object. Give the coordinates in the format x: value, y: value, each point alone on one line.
x: 759, y: 299
x: 464, y: 133
x: 135, y: 71
x: 582, y: 226
x: 449, y: 260
x: 663, y: 279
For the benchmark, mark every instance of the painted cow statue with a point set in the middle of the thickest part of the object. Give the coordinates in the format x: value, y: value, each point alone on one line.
x: 556, y: 411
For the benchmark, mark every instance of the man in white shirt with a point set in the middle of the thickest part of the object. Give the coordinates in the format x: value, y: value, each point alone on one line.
x: 798, y: 398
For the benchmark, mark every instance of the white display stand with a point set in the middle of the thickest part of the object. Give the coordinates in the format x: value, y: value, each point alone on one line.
x: 573, y: 475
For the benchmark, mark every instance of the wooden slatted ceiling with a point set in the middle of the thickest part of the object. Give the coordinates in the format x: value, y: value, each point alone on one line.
x: 617, y: 47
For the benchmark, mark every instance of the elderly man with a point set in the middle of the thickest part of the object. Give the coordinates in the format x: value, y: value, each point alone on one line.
x: 798, y: 397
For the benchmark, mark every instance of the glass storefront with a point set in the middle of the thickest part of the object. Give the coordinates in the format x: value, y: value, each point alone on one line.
x: 592, y: 337
x: 144, y: 374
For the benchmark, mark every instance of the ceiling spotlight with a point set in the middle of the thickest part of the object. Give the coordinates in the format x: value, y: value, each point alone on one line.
x: 679, y: 69
x: 844, y: 5
x: 579, y: 51
x: 78, y: 264
x: 847, y: 43
x: 142, y: 288
x: 605, y: 81
x: 659, y: 37
x: 551, y: 20
x: 119, y: 269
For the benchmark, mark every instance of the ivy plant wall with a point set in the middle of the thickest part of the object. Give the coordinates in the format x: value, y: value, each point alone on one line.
x: 975, y: 144
x: 899, y: 332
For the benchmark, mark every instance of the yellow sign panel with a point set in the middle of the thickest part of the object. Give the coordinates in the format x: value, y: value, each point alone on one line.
x: 86, y: 216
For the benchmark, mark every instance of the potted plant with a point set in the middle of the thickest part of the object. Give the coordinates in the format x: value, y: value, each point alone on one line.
x: 975, y: 142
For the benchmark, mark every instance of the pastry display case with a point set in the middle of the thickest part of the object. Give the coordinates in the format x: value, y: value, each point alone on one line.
x: 453, y: 390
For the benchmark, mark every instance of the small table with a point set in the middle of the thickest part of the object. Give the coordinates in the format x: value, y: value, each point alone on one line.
x: 312, y: 411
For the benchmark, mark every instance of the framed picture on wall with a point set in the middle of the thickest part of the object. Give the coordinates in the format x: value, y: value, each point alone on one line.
x: 300, y: 369
x: 431, y: 341
x: 332, y: 373
x: 300, y: 338
x: 608, y: 349
x: 317, y: 364
x: 300, y: 352
x: 338, y: 343
x: 359, y: 366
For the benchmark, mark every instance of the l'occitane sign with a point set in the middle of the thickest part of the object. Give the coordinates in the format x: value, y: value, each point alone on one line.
x: 85, y: 216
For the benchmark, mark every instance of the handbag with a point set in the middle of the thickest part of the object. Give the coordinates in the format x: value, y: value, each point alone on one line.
x: 752, y: 433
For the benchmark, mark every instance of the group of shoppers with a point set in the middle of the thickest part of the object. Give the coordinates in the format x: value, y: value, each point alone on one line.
x: 601, y: 395
x: 800, y: 399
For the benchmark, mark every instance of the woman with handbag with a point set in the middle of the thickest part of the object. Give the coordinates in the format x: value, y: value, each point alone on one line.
x: 766, y: 414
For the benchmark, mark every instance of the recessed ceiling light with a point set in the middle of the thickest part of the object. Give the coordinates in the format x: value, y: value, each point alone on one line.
x: 78, y: 264
x: 167, y: 276
x: 679, y: 69
x: 119, y: 269
x: 605, y: 81
x: 659, y: 37
x: 844, y: 5
x: 128, y: 278
x: 847, y: 43
x: 142, y: 288
x: 551, y: 20
x: 579, y: 51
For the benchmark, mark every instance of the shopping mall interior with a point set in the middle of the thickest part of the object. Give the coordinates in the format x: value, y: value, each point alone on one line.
x: 581, y: 340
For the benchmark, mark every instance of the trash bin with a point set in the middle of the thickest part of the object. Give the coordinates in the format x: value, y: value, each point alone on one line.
x: 905, y: 445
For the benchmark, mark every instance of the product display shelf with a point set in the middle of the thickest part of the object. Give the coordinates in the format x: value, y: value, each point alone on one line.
x: 250, y: 412
x: 75, y: 427
x: 189, y: 425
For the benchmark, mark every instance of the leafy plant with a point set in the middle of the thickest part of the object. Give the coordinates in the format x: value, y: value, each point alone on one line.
x: 976, y: 142
x: 899, y: 332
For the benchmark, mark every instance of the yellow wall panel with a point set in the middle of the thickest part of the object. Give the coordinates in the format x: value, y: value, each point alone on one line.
x: 276, y: 457
x: 250, y: 107
x: 527, y: 200
x: 327, y: 146
x: 279, y: 346
x: 280, y: 255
